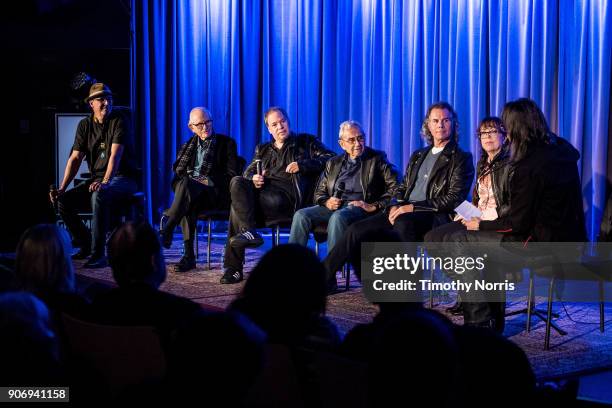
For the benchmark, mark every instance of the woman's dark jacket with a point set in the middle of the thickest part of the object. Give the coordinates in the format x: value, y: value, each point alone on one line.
x: 546, y: 196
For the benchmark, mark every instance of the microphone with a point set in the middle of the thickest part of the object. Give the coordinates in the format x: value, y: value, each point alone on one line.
x: 53, y: 191
x: 258, y: 166
x: 339, y: 190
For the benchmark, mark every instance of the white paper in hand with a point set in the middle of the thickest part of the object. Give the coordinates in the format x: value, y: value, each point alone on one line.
x: 468, y: 211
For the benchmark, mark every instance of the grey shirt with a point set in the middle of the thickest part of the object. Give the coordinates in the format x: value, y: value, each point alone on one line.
x: 419, y: 192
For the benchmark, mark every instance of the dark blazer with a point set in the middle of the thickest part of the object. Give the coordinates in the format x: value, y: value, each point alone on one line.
x: 449, y: 181
x: 310, y: 155
x: 379, y: 178
x: 501, y: 172
x: 546, y: 196
x: 225, y: 166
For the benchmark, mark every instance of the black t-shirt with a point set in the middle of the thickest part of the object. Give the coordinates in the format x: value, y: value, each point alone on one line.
x: 279, y: 160
x: 95, y: 140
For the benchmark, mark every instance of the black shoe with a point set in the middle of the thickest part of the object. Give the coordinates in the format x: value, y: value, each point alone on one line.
x: 332, y: 288
x: 82, y: 254
x: 246, y: 239
x: 96, y: 261
x: 231, y: 276
x: 488, y: 324
x: 186, y: 263
x: 165, y: 239
x: 456, y: 309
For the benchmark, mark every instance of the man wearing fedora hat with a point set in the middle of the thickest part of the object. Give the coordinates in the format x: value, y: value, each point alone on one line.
x: 102, y: 140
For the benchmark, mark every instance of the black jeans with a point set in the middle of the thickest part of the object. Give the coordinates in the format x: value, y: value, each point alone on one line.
x: 408, y: 227
x: 190, y: 197
x: 251, y: 206
x: 105, y: 206
x: 476, y: 309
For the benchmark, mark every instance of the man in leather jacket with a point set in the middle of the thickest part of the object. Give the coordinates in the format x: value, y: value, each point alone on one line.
x: 354, y: 185
x: 277, y: 183
x: 437, y: 180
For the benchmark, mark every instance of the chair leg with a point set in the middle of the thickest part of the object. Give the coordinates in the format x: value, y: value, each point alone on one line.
x: 317, y: 248
x: 601, y: 306
x: 431, y: 294
x: 549, y: 313
x: 347, y: 276
x: 530, y: 300
x: 197, y: 242
x: 277, y: 235
x: 209, y: 222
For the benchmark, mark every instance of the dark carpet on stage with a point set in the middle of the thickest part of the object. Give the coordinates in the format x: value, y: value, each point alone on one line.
x: 584, y: 349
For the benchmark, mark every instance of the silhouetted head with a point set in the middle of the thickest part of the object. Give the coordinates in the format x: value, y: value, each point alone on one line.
x: 490, y: 366
x: 135, y: 255
x: 28, y: 345
x: 285, y: 293
x: 43, y: 263
x: 215, y: 358
x: 415, y: 356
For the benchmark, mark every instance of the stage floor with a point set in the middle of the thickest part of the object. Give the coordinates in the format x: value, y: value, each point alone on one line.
x: 583, y: 350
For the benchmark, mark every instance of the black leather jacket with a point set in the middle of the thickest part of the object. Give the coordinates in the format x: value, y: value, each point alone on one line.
x: 310, y: 155
x: 379, y: 178
x: 501, y: 173
x: 449, y: 181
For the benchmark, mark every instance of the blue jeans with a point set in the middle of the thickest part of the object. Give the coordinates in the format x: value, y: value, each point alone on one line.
x: 306, y: 219
x: 104, y: 203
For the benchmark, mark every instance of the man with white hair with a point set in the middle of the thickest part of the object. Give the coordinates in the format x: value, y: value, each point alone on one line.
x: 353, y: 185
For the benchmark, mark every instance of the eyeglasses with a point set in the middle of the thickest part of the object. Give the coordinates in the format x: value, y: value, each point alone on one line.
x: 490, y: 133
x: 201, y: 125
x: 354, y: 140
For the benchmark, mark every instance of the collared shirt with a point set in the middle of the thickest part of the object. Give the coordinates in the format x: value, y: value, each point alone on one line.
x: 350, y: 175
x: 201, y: 152
x: 486, y: 201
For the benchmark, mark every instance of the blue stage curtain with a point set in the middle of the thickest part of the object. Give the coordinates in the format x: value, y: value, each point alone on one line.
x: 378, y: 62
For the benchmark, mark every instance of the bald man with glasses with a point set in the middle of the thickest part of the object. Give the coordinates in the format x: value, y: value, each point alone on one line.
x: 203, y: 169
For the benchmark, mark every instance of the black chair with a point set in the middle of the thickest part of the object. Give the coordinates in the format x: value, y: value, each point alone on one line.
x: 275, y: 224
x: 209, y: 217
x: 595, y: 267
x: 540, y: 265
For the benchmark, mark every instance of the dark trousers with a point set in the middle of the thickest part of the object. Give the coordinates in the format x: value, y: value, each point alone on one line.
x: 409, y: 227
x: 476, y: 309
x: 251, y: 206
x: 105, y: 206
x: 444, y: 233
x: 190, y: 197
